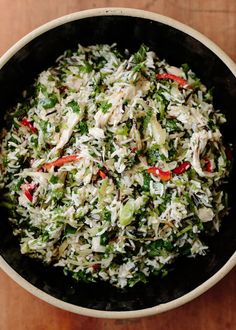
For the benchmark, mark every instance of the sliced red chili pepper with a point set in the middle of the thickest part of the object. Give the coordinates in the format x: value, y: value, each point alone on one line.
x: 28, y: 195
x: 182, y: 82
x: 102, y: 174
x: 182, y: 168
x: 96, y: 267
x: 27, y: 189
x: 163, y: 175
x: 25, y: 122
x: 134, y: 149
x: 208, y: 165
x: 62, y: 89
x: 61, y: 161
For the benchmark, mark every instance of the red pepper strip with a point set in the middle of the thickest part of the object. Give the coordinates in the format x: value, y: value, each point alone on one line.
x: 102, y: 174
x: 96, y: 267
x: 27, y: 188
x: 134, y: 149
x: 28, y: 195
x: 61, y: 161
x: 182, y: 168
x: 28, y: 124
x: 182, y: 82
x: 163, y: 175
x: 208, y: 165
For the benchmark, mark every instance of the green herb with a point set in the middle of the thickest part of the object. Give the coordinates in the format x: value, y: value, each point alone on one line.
x: 40, y: 88
x: 171, y: 125
x: 138, y: 277
x: 100, y: 63
x: 74, y: 106
x: 140, y: 55
x: 82, y: 276
x: 104, y: 239
x: 18, y: 184
x: 22, y: 111
x: 106, y: 215
x: 208, y: 97
x: 83, y: 127
x: 139, y: 67
x: 159, y: 247
x: 54, y: 179
x: 104, y: 106
x: 69, y: 230
x: 49, y: 102
x: 57, y: 194
x: 34, y: 141
x: 87, y: 68
x: 122, y: 130
x: 153, y: 154
x: 147, y: 118
x: 162, y: 102
x: 44, y: 126
x: 45, y: 236
x: 197, y: 83
x: 185, y: 68
x: 146, y: 181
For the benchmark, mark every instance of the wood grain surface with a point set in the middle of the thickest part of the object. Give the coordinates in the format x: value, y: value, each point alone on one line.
x: 215, y: 310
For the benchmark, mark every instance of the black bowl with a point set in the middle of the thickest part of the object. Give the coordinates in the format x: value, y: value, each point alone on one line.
x: 178, y: 44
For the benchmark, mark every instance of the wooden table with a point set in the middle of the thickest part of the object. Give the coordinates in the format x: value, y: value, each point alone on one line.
x: 212, y: 311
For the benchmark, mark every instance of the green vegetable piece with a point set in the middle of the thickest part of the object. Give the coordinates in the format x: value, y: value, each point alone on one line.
x: 146, y: 181
x: 83, y: 127
x: 184, y: 230
x: 147, y: 118
x: 171, y: 125
x: 104, y: 239
x: 57, y: 194
x: 185, y: 68
x: 138, y: 277
x: 139, y: 67
x: 82, y: 276
x: 69, y: 230
x: 104, y: 106
x: 45, y: 236
x: 126, y: 215
x: 74, y: 106
x: 18, y: 184
x: 160, y: 248
x: 122, y: 130
x: 100, y: 62
x: 87, y: 68
x: 106, y: 215
x: 54, y: 179
x: 140, y: 55
x: 49, y: 102
x: 44, y: 126
x: 153, y: 154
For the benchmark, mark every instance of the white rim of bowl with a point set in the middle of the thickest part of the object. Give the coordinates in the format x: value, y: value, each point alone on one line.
x: 213, y: 279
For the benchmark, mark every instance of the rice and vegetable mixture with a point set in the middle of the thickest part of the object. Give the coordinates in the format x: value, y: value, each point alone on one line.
x: 113, y: 165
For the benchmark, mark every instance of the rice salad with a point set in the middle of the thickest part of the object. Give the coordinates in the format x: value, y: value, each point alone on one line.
x: 112, y: 165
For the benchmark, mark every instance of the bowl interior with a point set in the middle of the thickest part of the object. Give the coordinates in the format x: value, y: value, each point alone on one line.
x: 177, y: 47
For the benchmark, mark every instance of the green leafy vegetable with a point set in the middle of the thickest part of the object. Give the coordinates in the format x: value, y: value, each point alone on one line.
x: 74, y: 106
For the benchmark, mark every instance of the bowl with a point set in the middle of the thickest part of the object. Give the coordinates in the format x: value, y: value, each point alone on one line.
x: 178, y: 44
